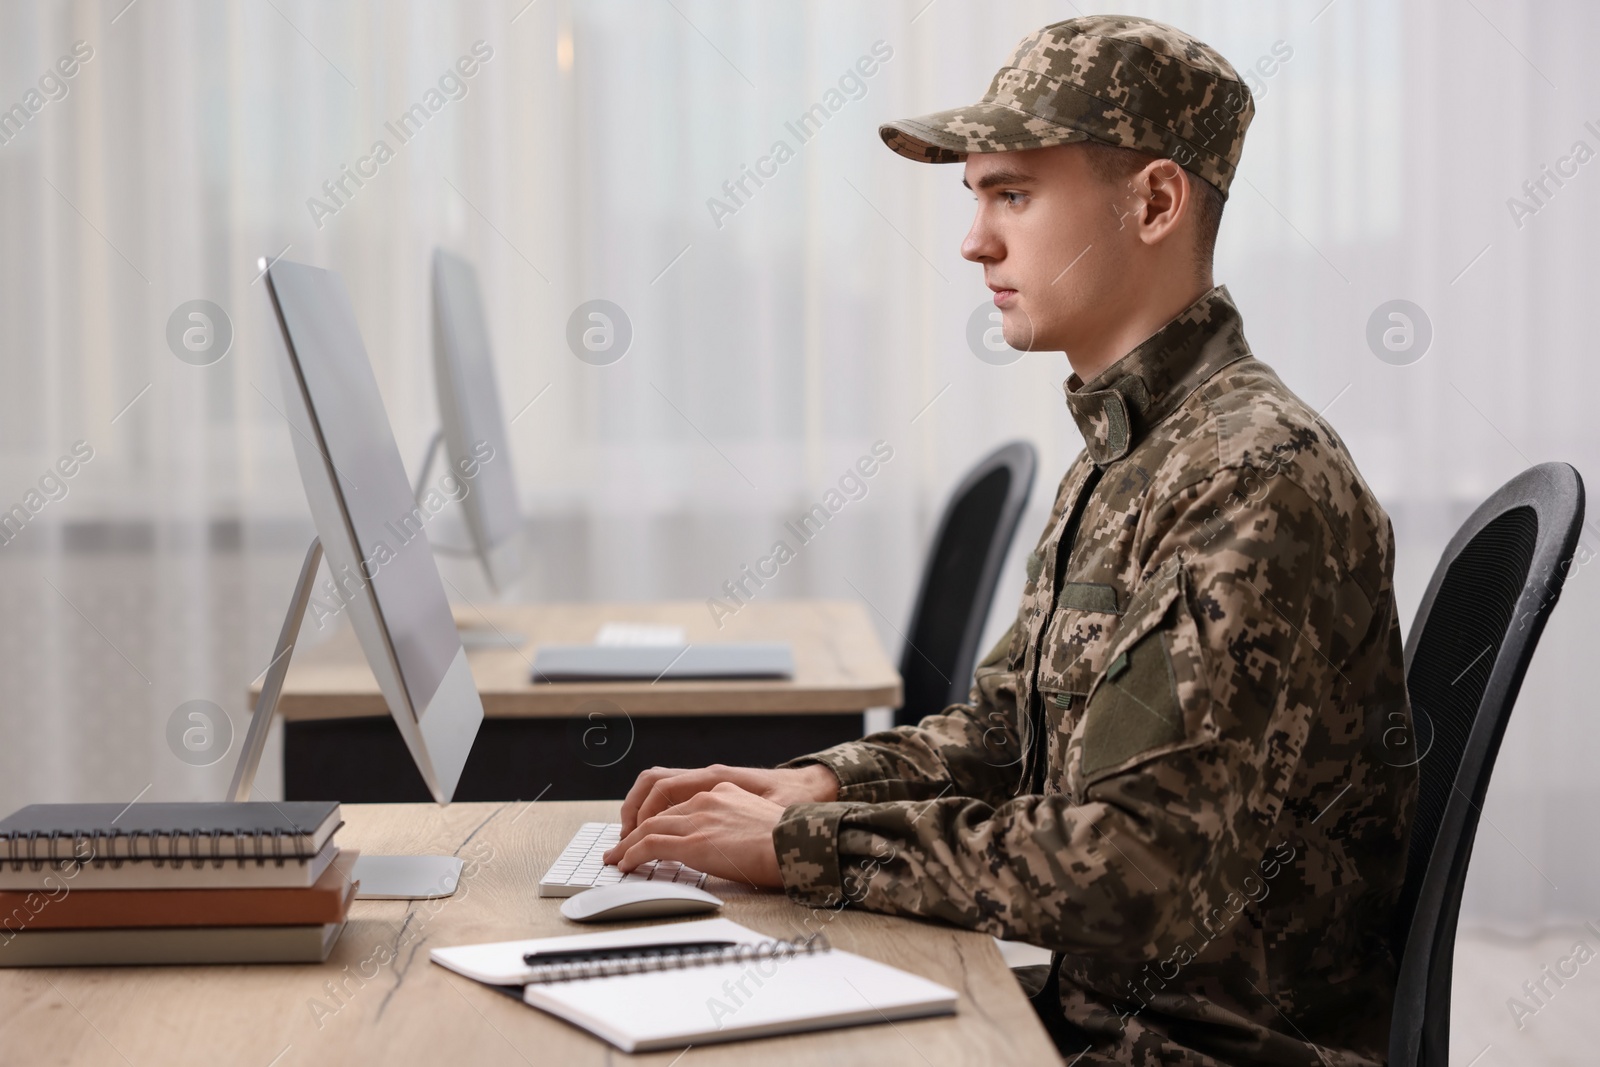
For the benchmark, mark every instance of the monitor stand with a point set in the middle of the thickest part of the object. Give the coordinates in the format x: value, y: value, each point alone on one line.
x: 476, y: 638
x: 381, y: 877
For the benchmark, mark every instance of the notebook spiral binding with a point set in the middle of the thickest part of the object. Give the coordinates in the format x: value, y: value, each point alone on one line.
x: 667, y: 960
x: 36, y: 849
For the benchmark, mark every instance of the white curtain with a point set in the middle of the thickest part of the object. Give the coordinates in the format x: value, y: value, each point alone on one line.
x: 780, y: 326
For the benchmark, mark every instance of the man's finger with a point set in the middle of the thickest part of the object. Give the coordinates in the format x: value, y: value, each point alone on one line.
x: 679, y: 825
x: 669, y: 792
x: 641, y: 788
x: 656, y: 847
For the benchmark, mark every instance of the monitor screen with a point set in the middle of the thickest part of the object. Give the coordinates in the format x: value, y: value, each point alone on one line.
x: 351, y: 430
x: 469, y: 409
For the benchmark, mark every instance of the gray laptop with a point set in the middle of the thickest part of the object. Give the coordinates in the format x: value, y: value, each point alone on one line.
x: 671, y: 663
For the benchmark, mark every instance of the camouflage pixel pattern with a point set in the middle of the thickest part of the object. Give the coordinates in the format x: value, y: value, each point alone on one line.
x: 1116, y: 79
x: 1215, y: 843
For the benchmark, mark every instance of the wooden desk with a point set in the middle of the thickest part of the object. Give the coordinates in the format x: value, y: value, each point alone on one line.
x: 411, y: 1011
x: 588, y: 740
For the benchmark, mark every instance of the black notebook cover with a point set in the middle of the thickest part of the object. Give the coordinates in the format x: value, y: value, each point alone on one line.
x: 287, y: 830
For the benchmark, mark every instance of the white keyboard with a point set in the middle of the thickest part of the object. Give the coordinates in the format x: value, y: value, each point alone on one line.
x: 580, y: 867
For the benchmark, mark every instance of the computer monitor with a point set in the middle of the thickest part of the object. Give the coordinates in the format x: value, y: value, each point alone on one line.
x: 471, y: 424
x: 370, y: 526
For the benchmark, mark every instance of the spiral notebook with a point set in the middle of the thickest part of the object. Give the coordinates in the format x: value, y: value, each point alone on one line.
x: 167, y: 846
x: 757, y: 987
x: 72, y: 908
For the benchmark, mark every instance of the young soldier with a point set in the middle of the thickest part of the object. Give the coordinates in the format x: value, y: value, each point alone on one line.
x: 1168, y: 773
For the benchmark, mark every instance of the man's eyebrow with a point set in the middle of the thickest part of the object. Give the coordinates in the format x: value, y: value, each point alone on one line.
x: 1002, y: 177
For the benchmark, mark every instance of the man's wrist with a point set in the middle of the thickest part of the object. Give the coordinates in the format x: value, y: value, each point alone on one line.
x: 856, y: 771
x: 821, y: 783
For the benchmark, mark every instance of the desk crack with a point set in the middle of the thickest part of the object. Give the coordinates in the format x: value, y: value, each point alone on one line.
x: 402, y: 967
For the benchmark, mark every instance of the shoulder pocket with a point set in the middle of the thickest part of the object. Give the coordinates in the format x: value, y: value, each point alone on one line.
x: 1135, y: 708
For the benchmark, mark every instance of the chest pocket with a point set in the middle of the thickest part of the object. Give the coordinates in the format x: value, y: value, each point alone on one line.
x: 1085, y: 623
x: 1150, y: 685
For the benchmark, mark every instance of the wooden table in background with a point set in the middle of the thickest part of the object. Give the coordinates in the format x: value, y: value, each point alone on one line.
x: 407, y: 1010
x: 589, y: 740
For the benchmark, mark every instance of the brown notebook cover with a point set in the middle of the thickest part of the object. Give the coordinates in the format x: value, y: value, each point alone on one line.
x: 328, y: 901
x: 142, y: 946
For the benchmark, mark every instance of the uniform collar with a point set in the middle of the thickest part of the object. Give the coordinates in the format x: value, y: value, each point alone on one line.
x: 1122, y: 402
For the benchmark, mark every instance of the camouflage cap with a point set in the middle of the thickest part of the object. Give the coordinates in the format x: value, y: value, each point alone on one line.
x: 1119, y: 80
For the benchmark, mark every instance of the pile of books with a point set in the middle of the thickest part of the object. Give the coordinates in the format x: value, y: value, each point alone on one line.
x: 91, y: 884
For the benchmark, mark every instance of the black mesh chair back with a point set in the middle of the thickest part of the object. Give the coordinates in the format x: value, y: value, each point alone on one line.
x: 959, y: 579
x: 1466, y: 655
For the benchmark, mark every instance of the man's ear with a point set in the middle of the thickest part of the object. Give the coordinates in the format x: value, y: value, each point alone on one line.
x: 1167, y: 197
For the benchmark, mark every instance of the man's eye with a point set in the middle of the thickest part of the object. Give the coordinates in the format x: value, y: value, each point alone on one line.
x: 1014, y: 198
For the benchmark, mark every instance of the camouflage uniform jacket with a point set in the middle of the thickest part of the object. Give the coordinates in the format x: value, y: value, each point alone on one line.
x: 1167, y: 773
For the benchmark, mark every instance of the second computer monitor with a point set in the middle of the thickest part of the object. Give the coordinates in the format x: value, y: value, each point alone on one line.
x: 473, y: 428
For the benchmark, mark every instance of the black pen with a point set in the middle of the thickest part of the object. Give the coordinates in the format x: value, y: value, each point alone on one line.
x: 586, y: 955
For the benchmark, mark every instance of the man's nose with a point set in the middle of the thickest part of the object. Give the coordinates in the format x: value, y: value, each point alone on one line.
x: 981, y: 245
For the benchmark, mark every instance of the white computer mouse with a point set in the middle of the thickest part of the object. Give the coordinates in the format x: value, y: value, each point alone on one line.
x: 637, y: 900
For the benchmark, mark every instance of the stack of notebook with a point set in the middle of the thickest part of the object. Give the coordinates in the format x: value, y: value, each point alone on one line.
x: 87, y: 884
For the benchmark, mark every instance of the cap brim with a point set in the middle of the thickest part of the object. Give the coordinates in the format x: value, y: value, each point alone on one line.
x: 950, y: 136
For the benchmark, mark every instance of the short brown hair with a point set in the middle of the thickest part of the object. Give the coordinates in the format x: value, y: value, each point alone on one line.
x: 1112, y: 163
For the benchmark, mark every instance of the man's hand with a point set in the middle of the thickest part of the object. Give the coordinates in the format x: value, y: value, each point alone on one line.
x: 660, y: 788
x: 725, y: 831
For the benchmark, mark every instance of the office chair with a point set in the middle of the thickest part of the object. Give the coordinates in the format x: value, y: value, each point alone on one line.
x: 959, y: 579
x: 1491, y: 593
